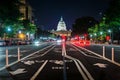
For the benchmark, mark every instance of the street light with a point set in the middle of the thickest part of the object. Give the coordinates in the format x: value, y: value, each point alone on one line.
x: 110, y: 35
x: 95, y: 34
x: 109, y: 31
x: 8, y: 29
x: 19, y: 31
x: 101, y: 36
x: 95, y: 37
x: 91, y: 35
x: 101, y: 33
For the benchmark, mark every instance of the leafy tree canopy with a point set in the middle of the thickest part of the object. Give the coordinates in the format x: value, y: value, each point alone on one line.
x: 9, y: 11
x: 82, y: 24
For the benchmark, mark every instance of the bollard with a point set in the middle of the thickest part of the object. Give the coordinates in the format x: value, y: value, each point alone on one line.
x: 7, y: 62
x: 103, y: 51
x: 113, y: 54
x: 18, y: 54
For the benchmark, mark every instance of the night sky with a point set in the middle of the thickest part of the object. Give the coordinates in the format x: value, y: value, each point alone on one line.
x: 48, y: 12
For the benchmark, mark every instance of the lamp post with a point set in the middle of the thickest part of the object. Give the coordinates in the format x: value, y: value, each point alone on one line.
x: 8, y: 29
x: 91, y: 38
x: 95, y: 37
x: 101, y: 33
x: 101, y: 36
x: 19, y: 31
x: 110, y: 35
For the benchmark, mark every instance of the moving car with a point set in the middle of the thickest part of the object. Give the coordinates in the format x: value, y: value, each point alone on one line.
x: 2, y: 43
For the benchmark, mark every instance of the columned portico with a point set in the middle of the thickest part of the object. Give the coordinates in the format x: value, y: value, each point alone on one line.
x: 61, y: 29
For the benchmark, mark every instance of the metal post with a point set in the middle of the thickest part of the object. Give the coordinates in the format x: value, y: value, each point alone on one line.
x: 111, y: 35
x: 18, y: 54
x: 103, y: 51
x: 113, y: 54
x: 7, y: 62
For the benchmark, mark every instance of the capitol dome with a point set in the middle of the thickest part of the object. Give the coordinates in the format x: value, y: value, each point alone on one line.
x: 61, y: 25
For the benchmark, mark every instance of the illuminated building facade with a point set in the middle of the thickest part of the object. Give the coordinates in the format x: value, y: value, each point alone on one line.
x: 26, y: 10
x: 61, y: 29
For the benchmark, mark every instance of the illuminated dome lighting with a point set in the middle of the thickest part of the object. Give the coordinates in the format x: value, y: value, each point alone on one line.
x: 61, y: 25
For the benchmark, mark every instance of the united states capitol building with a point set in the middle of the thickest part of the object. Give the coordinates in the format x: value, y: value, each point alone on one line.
x: 61, y: 29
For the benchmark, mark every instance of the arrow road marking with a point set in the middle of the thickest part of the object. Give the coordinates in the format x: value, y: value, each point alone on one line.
x: 101, y: 65
x: 28, y: 62
x: 57, y: 62
x: 18, y: 71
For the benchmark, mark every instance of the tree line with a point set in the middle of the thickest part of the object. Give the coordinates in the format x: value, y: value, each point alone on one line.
x: 10, y: 19
x: 108, y: 26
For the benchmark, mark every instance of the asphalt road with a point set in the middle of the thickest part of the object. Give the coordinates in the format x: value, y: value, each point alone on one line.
x: 63, y: 61
x: 13, y: 52
x: 108, y: 50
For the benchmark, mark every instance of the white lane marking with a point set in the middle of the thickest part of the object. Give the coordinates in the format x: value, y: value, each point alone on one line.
x: 24, y: 51
x: 59, y: 62
x: 107, y: 59
x: 41, y: 61
x: 32, y: 62
x: 86, y: 71
x: 39, y: 70
x: 117, y: 50
x: 28, y: 62
x: 101, y: 65
x: 35, y: 52
x: 63, y: 50
x: 71, y: 49
x: 87, y: 54
x: 10, y: 56
x: 25, y: 57
x: 39, y: 55
x: 18, y: 71
x: 48, y: 51
x: 80, y: 66
x: 81, y: 72
x: 89, y: 51
x: 58, y: 50
x: 54, y: 68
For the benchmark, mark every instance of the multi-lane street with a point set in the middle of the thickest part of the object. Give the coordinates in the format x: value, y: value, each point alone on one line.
x: 64, y: 61
x: 13, y: 52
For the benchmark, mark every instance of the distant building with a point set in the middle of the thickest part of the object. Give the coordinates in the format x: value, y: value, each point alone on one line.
x: 61, y: 29
x: 61, y: 25
x: 26, y: 10
x: 27, y: 14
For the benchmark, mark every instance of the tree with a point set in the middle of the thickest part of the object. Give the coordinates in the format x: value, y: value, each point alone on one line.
x: 28, y: 26
x: 82, y: 24
x: 99, y: 30
x: 9, y: 13
x: 113, y: 17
